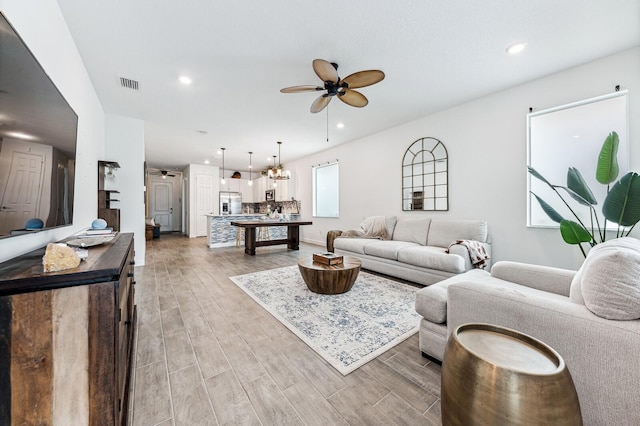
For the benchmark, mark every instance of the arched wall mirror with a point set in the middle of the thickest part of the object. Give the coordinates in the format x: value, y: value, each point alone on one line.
x: 425, y: 179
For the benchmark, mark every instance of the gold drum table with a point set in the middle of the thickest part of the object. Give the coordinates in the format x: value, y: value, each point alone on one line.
x: 497, y: 376
x: 329, y: 279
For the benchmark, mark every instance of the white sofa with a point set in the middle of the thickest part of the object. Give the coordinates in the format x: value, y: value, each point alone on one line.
x: 585, y: 316
x: 416, y: 250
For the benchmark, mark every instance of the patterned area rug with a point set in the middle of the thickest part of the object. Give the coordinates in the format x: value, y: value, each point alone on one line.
x: 348, y: 329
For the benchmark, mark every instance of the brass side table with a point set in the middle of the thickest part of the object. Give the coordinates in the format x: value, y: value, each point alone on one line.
x: 497, y: 376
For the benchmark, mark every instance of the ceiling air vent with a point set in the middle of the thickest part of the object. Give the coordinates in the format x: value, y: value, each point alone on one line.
x: 128, y: 83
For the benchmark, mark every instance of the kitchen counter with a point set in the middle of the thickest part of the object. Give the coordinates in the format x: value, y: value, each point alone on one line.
x: 220, y: 232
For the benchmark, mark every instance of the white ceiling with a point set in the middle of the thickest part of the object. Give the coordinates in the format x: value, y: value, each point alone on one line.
x: 435, y: 54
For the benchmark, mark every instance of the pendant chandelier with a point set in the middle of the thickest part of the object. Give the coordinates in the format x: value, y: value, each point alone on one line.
x: 276, y: 172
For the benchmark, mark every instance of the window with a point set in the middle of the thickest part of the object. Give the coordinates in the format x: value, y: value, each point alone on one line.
x: 326, y: 191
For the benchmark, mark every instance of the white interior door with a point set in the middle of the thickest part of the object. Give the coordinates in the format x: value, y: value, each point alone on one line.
x: 20, y: 197
x: 204, y: 202
x: 161, y: 204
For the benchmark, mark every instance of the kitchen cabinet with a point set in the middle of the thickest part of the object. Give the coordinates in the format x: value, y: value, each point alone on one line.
x: 246, y: 190
x: 231, y: 185
x: 71, y: 337
x: 282, y: 190
x: 259, y: 189
x: 286, y: 189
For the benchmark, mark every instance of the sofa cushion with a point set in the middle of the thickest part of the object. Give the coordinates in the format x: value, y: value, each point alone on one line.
x: 443, y: 232
x: 412, y: 230
x: 391, y: 224
x: 432, y: 258
x: 387, y: 249
x: 355, y: 245
x: 610, y: 281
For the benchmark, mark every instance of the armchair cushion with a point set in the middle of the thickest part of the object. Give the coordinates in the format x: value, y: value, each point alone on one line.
x: 610, y: 279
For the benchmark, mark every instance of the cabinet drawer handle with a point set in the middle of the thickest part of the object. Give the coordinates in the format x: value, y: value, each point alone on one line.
x: 133, y: 282
x: 133, y: 262
x: 128, y: 322
x: 130, y: 274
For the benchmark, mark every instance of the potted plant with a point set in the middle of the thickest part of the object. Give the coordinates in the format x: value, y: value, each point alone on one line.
x: 621, y: 204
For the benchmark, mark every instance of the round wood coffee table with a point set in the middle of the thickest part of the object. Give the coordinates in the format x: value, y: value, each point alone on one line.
x: 325, y: 279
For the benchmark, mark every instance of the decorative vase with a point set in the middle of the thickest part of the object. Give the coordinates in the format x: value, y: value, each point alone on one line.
x: 497, y: 376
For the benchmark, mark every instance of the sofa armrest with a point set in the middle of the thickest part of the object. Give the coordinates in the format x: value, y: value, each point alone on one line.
x: 463, y: 252
x: 545, y: 278
x: 601, y: 354
x: 331, y: 236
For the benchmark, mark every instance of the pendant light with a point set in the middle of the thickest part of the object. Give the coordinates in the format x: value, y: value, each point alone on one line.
x: 222, y: 181
x: 276, y: 171
x: 250, y: 167
x: 274, y: 175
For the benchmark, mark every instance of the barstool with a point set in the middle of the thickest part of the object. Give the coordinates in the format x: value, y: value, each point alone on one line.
x: 263, y: 233
x: 239, y: 236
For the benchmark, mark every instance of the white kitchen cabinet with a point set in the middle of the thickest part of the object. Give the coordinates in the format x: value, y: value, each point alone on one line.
x: 231, y: 185
x: 282, y: 190
x: 259, y: 189
x: 247, y: 191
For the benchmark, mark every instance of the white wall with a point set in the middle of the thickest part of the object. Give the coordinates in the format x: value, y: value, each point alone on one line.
x: 486, y: 142
x: 125, y: 144
x: 44, y: 30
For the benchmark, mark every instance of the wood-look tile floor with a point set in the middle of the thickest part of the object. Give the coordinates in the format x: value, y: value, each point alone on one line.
x: 206, y: 353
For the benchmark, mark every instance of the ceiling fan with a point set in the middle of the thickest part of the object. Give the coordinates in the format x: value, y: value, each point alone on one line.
x: 342, y: 88
x: 163, y: 173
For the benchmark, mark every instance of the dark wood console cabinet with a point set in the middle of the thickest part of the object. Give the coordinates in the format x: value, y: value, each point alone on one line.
x: 66, y: 338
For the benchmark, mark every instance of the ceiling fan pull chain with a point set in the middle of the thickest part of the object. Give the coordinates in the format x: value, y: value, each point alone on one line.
x: 327, y: 123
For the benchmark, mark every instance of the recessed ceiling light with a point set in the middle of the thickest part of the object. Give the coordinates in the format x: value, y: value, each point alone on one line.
x: 340, y: 125
x: 219, y: 152
x: 516, y: 48
x: 184, y: 80
x: 206, y: 161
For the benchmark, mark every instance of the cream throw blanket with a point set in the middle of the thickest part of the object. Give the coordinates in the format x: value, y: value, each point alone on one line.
x: 371, y: 227
x: 477, y: 253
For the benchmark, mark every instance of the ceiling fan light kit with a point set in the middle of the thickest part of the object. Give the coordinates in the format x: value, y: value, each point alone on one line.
x: 334, y: 86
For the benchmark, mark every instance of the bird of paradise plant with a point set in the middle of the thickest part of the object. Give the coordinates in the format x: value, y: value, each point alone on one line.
x: 621, y: 204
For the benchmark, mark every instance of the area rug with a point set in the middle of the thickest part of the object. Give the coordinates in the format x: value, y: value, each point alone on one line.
x: 348, y: 329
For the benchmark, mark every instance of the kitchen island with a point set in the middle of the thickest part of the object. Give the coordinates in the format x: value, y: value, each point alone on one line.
x: 220, y: 232
x: 250, y: 242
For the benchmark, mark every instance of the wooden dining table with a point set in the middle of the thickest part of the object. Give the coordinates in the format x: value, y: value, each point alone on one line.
x: 250, y: 242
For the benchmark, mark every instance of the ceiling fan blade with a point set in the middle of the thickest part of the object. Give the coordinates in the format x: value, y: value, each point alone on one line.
x: 353, y: 98
x: 320, y: 103
x: 298, y: 89
x: 325, y: 70
x: 363, y: 78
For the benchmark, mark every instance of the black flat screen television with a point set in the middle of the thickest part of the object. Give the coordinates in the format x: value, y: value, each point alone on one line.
x: 38, y: 132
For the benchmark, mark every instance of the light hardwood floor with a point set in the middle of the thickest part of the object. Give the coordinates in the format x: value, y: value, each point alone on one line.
x: 207, y: 354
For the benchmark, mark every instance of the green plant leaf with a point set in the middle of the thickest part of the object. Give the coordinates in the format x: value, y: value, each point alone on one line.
x: 537, y: 175
x: 553, y: 215
x: 577, y: 184
x: 573, y: 233
x: 607, y: 169
x: 622, y: 204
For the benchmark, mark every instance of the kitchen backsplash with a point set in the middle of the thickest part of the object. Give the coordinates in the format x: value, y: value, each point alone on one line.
x: 291, y: 207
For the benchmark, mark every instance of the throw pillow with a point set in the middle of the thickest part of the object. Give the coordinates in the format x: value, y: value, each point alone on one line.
x: 149, y: 221
x: 610, y: 281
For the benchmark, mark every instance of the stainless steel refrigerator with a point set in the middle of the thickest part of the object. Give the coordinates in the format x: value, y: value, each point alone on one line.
x: 230, y: 202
